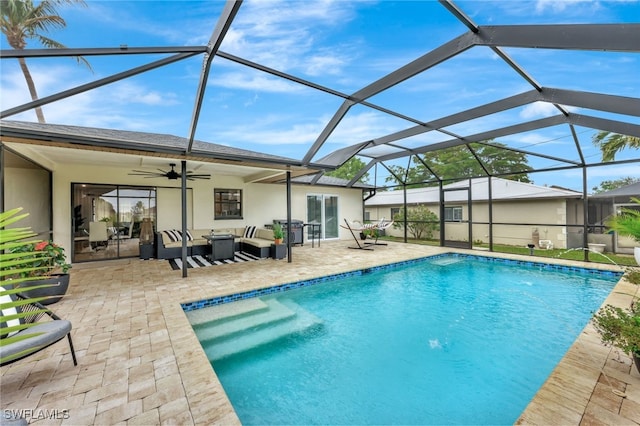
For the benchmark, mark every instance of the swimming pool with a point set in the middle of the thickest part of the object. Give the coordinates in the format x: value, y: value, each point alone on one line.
x: 449, y: 339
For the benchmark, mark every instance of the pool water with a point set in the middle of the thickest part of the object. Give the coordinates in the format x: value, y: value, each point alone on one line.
x: 451, y: 340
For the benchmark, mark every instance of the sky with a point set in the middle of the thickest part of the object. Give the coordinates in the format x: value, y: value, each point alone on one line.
x: 342, y: 45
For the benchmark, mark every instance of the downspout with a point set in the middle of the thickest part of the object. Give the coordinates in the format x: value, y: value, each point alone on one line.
x: 184, y: 217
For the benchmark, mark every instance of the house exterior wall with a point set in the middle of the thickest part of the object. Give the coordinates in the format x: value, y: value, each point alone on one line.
x: 34, y: 182
x: 544, y: 212
x: 261, y: 202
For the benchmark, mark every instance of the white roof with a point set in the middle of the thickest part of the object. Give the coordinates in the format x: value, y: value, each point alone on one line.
x: 502, y: 189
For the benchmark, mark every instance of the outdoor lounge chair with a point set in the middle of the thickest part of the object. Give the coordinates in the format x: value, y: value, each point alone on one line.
x: 356, y: 226
x: 380, y: 226
x: 40, y: 336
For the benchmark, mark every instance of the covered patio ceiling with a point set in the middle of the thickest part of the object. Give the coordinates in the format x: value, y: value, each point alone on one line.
x: 490, y: 116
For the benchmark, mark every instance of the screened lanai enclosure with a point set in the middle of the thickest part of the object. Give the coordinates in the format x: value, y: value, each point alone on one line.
x: 493, y: 123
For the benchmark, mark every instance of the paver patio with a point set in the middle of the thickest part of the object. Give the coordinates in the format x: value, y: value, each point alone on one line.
x: 140, y: 363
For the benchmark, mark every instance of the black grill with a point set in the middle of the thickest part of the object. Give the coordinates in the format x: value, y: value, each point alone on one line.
x: 295, y: 230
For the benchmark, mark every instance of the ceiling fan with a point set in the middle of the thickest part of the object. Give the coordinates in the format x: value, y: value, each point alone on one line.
x: 171, y: 174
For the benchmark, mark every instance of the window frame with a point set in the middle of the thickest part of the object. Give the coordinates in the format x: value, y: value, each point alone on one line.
x: 453, y: 214
x: 218, y: 200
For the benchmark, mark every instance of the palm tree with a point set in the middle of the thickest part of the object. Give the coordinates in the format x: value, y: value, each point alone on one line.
x: 23, y: 20
x: 611, y: 143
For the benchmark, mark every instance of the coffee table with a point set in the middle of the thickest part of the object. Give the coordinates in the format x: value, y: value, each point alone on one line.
x: 222, y: 246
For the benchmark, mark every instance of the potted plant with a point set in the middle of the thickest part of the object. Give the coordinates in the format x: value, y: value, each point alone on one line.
x: 627, y: 222
x: 46, y: 265
x: 278, y: 234
x: 14, y: 263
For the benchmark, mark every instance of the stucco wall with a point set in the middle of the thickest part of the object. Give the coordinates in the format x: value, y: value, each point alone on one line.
x: 34, y: 182
x: 261, y: 202
x: 550, y: 212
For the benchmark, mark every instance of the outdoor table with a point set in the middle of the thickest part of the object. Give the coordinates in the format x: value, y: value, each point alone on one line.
x: 222, y: 246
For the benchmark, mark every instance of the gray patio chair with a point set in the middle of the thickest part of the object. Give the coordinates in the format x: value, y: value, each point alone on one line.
x: 40, y: 336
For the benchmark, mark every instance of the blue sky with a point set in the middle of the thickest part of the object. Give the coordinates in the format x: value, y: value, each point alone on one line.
x: 338, y: 44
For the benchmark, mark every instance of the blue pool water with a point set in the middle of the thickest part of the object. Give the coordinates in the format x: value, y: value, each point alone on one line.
x: 447, y: 340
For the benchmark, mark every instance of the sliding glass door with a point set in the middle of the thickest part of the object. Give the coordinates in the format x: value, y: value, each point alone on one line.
x: 106, y: 220
x: 323, y: 209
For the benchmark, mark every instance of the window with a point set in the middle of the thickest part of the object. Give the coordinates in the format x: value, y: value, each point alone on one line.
x: 228, y: 203
x: 453, y: 214
x: 394, y: 212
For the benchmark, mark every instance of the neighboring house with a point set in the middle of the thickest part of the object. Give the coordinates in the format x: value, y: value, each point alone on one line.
x: 519, y: 211
x: 67, y: 177
x: 603, y: 206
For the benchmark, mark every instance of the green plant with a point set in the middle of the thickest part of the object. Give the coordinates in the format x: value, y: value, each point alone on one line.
x: 45, y: 257
x: 620, y: 327
x: 633, y: 275
x: 627, y: 222
x: 371, y: 232
x: 421, y: 222
x: 278, y: 233
x: 15, y: 263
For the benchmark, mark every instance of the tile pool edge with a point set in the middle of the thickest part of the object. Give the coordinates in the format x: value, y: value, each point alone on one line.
x: 219, y: 300
x: 562, y: 399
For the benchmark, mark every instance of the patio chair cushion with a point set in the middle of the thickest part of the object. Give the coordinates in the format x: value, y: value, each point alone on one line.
x: 9, y: 311
x: 44, y: 334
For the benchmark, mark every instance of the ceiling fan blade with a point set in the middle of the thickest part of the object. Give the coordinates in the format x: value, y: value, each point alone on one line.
x: 171, y: 174
x: 145, y: 174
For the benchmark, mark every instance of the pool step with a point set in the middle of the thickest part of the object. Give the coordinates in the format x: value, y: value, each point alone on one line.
x: 225, y: 311
x: 446, y: 261
x: 276, y: 312
x: 302, y: 321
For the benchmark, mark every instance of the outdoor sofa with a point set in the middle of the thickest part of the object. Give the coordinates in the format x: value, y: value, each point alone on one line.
x: 249, y: 239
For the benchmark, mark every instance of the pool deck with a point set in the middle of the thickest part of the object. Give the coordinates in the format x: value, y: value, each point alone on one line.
x: 140, y: 363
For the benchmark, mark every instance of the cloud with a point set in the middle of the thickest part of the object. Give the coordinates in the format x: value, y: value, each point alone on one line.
x: 111, y: 106
x: 542, y: 110
x: 277, y: 130
x: 126, y: 92
x: 251, y: 81
x: 355, y: 128
x: 278, y: 35
x: 558, y: 6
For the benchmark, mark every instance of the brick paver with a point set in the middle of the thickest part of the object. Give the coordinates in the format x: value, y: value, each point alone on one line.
x: 140, y: 363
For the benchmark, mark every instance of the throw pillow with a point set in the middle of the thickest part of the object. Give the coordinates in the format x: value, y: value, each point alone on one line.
x: 8, y: 311
x: 249, y: 232
x: 173, y: 235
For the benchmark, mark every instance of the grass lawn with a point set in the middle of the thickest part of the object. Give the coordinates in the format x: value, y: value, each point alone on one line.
x: 609, y: 258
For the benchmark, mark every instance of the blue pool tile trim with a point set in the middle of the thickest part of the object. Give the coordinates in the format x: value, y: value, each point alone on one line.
x: 190, y: 306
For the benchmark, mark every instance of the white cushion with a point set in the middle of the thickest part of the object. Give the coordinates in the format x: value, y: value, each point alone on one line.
x: 7, y: 311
